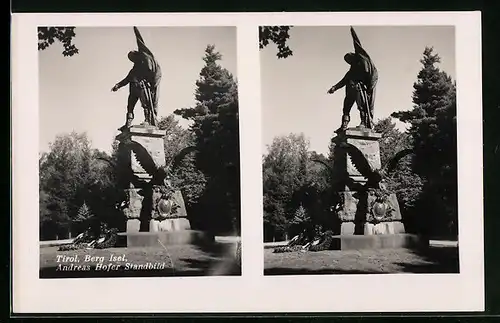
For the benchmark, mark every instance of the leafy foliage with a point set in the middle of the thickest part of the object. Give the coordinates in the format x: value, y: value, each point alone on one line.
x: 300, y: 216
x: 325, y: 242
x: 434, y: 135
x: 186, y: 177
x: 301, y: 220
x: 71, y: 174
x: 294, y: 181
x: 83, y: 213
x: 287, y: 249
x: 278, y: 35
x: 403, y: 180
x: 284, y: 173
x: 64, y: 173
x: 48, y: 35
x: 392, y: 141
x: 215, y: 128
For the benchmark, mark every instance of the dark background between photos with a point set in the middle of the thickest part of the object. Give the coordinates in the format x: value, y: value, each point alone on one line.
x: 491, y: 97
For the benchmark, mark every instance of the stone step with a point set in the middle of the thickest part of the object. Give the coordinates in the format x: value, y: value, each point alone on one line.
x: 165, y: 238
x: 382, y: 241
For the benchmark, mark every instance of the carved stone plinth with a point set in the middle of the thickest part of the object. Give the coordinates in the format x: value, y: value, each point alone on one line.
x: 171, y: 208
x: 133, y: 225
x: 366, y: 141
x: 163, y: 239
x: 383, y: 211
x: 134, y: 200
x: 380, y: 241
x: 362, y: 210
x: 347, y: 228
x: 151, y: 138
x: 150, y: 206
x: 373, y: 211
x: 393, y: 227
x: 168, y: 215
x: 169, y: 225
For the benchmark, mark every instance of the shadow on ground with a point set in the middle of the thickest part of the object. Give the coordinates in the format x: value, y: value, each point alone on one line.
x: 433, y: 260
x: 305, y: 271
x: 436, y: 260
x: 227, y: 263
x: 215, y: 249
x: 221, y: 267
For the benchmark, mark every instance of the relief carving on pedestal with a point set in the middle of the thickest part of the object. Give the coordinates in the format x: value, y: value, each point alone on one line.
x: 371, y: 152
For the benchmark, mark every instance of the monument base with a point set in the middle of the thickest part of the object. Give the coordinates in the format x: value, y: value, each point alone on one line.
x: 382, y: 228
x: 176, y: 224
x: 382, y: 241
x: 165, y: 238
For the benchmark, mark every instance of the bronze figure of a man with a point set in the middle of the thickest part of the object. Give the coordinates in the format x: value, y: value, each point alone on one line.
x: 144, y: 80
x: 360, y: 82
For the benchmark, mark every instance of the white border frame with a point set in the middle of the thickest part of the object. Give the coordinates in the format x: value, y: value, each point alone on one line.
x: 251, y: 292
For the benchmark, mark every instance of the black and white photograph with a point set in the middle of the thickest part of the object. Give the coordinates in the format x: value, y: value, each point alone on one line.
x: 138, y: 152
x: 360, y: 149
x: 247, y: 163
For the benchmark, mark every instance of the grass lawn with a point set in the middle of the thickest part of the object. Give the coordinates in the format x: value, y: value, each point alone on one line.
x: 177, y: 260
x: 431, y: 260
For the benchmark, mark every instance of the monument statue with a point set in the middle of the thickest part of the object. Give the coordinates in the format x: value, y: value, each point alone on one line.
x: 365, y: 210
x: 143, y: 79
x: 360, y: 82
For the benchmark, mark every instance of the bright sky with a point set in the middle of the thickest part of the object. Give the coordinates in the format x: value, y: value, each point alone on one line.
x: 75, y: 92
x: 294, y: 97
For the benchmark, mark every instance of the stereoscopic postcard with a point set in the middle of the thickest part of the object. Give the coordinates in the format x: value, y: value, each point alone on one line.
x: 263, y: 162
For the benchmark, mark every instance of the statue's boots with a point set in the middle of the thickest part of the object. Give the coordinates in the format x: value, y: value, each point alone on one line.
x: 345, y: 123
x: 147, y: 117
x: 128, y: 122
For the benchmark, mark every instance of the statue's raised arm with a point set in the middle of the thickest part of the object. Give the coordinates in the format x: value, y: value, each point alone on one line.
x: 358, y: 49
x: 140, y: 43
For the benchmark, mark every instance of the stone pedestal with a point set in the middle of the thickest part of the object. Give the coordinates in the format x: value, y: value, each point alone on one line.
x: 168, y: 215
x: 151, y: 138
x: 366, y: 220
x: 133, y: 178
x: 169, y: 225
x: 381, y: 241
x: 165, y: 239
x: 147, y: 209
x: 133, y: 225
x: 133, y: 209
x: 366, y: 141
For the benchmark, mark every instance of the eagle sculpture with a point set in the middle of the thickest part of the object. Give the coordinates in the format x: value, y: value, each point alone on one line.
x: 165, y: 198
x: 361, y: 163
x: 158, y: 174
